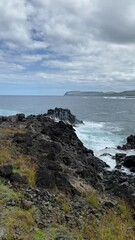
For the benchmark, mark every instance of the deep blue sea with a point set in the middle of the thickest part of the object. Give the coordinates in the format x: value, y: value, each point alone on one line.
x: 108, y: 120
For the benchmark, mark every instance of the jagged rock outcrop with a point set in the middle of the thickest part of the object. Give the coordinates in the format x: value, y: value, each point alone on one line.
x: 64, y: 115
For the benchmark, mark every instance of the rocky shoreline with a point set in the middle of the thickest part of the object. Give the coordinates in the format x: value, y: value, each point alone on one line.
x: 46, y: 161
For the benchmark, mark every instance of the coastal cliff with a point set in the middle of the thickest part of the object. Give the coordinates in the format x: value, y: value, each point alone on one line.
x: 103, y: 94
x: 52, y: 187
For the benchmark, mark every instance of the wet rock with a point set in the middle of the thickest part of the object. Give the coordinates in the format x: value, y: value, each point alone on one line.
x: 129, y: 162
x: 106, y: 154
x: 119, y: 157
x: 130, y: 143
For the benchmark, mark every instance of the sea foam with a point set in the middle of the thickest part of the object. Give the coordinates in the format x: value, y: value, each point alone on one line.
x: 103, y: 139
x: 99, y: 135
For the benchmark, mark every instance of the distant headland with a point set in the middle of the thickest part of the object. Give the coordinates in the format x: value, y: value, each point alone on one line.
x: 104, y: 94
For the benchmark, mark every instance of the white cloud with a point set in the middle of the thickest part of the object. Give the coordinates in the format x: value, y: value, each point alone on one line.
x: 14, y: 24
x: 81, y: 41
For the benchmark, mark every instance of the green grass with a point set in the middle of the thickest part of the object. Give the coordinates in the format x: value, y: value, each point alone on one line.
x: 12, y: 131
x: 22, y: 164
x: 39, y: 234
x: 92, y: 198
x: 114, y: 227
x: 64, y: 201
x: 18, y: 220
x: 66, y: 207
x: 7, y: 194
x: 24, y: 167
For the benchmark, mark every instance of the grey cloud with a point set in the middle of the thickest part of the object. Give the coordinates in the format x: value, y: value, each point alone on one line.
x: 66, y: 22
x: 114, y: 21
x: 14, y: 22
x: 96, y: 37
x: 74, y: 22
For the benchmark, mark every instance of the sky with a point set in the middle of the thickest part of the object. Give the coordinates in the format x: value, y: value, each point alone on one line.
x: 48, y: 47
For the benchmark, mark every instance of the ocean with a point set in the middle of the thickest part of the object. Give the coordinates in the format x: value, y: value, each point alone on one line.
x: 107, y: 120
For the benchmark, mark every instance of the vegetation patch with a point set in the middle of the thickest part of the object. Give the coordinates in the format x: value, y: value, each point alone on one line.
x: 7, y: 194
x: 39, y: 234
x: 12, y: 131
x: 18, y: 223
x: 92, y: 198
x: 64, y: 202
x: 114, y: 227
x: 22, y: 164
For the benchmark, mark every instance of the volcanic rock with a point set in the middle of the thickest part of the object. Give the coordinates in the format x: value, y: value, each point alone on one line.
x: 129, y: 162
x: 6, y: 170
x: 130, y: 143
x: 64, y: 115
x: 62, y: 160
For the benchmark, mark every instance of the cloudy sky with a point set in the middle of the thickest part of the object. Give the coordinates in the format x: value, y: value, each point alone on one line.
x: 48, y: 47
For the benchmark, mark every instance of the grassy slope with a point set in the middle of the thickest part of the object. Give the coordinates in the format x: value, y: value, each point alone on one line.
x: 17, y: 223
